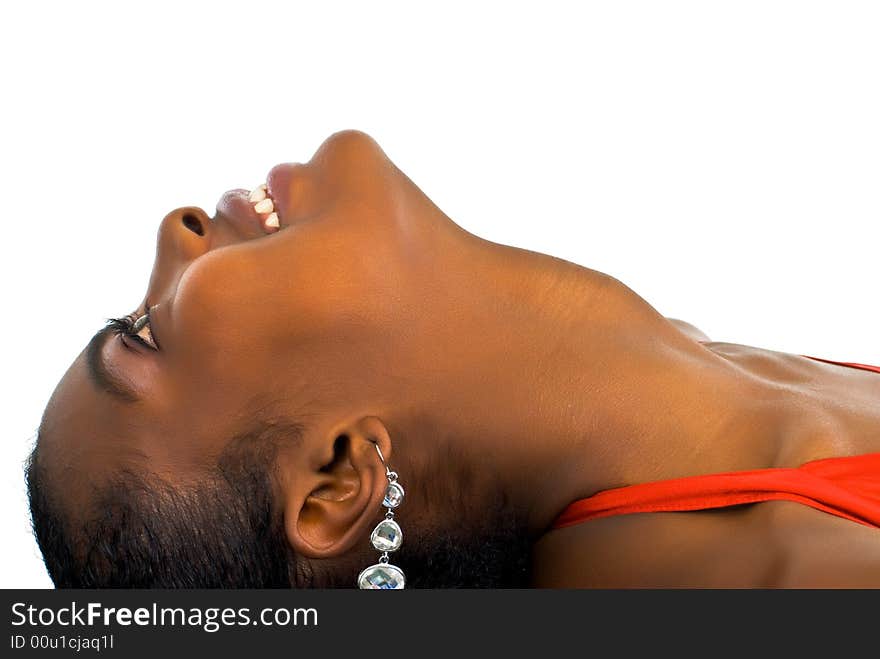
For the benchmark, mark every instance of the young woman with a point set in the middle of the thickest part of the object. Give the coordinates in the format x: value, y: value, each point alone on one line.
x: 333, y: 333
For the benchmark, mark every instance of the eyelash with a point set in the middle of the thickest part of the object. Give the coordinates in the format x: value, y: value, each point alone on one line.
x: 125, y: 325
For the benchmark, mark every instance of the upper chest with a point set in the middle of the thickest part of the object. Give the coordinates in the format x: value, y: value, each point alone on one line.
x: 822, y: 410
x: 765, y: 545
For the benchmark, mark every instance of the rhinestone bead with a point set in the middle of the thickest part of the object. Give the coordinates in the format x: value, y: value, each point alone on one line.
x: 381, y: 576
x: 387, y: 536
x: 393, y: 495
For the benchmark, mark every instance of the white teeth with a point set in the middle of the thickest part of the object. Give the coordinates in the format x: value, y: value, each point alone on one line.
x: 264, y: 206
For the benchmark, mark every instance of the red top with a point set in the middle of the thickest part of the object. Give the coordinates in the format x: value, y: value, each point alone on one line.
x: 848, y: 487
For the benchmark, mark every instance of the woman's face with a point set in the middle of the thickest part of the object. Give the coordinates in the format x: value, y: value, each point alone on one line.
x: 251, y: 322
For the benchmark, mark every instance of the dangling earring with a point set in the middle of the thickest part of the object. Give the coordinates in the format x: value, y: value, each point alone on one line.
x: 386, y: 537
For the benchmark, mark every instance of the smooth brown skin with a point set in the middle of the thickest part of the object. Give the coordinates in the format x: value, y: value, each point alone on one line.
x: 375, y: 316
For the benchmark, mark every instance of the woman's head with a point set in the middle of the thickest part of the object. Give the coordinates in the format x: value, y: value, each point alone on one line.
x: 273, y: 361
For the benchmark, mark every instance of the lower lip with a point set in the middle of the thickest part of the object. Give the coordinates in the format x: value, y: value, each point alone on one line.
x: 239, y: 211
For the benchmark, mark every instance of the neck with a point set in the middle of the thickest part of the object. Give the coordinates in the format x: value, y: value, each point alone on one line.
x: 568, y: 383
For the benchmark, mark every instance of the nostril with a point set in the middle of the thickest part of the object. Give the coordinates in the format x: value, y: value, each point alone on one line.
x: 193, y: 223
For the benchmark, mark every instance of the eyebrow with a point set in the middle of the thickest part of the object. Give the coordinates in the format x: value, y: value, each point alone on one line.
x: 97, y: 369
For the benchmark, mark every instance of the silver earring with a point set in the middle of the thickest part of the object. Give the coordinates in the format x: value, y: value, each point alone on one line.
x: 386, y: 537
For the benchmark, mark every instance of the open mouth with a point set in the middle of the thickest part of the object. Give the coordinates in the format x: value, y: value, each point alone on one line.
x: 264, y: 207
x: 254, y: 212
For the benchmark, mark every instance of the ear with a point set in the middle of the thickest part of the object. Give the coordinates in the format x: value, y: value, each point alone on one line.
x: 335, y: 498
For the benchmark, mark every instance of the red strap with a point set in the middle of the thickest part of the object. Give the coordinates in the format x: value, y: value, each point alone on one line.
x: 848, y: 487
x: 864, y: 367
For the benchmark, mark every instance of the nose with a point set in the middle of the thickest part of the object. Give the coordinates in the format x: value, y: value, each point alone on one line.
x: 185, y: 231
x: 184, y: 235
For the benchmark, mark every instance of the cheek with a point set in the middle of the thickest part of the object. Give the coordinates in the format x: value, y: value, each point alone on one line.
x: 220, y: 307
x: 238, y: 307
x: 328, y: 280
x: 254, y: 302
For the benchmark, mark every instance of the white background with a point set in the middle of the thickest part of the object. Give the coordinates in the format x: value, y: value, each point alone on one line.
x: 722, y: 159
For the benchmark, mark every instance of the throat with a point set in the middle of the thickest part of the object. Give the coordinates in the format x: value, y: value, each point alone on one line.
x: 585, y: 386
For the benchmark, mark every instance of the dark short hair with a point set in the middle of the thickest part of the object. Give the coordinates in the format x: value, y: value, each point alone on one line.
x: 225, y: 530
x: 142, y: 532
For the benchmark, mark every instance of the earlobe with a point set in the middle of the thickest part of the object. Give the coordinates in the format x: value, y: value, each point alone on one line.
x: 328, y: 508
